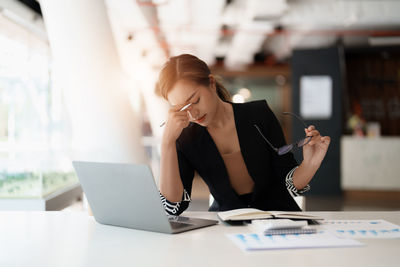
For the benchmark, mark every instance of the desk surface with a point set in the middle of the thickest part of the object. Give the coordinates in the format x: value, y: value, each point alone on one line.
x: 74, y: 239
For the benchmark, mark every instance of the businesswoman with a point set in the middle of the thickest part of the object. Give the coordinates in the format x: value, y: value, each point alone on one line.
x: 238, y: 149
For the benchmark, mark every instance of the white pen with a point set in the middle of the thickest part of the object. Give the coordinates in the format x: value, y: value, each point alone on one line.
x: 182, y: 109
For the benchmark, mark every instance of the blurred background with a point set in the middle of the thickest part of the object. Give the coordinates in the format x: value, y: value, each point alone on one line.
x: 77, y: 82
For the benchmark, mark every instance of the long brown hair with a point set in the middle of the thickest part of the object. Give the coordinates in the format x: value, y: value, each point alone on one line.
x: 187, y: 67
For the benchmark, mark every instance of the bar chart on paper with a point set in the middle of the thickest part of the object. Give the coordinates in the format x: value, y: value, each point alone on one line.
x: 362, y: 228
x: 322, y: 239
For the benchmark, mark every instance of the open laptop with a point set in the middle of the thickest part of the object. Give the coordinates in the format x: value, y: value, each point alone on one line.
x: 126, y: 195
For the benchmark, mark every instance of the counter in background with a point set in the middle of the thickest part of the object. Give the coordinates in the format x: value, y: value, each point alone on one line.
x: 370, y: 163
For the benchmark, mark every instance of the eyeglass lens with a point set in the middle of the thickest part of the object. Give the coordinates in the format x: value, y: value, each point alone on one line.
x: 285, y: 149
x: 304, y: 141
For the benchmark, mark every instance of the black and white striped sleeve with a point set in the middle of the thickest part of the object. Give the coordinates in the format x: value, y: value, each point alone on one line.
x: 176, y: 208
x: 290, y: 186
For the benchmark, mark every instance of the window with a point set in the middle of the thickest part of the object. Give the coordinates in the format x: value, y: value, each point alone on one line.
x: 34, y: 127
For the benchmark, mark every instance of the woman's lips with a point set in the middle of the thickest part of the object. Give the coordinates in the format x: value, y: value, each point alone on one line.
x: 201, y: 119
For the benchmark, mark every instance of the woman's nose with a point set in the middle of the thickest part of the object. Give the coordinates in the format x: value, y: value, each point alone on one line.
x: 192, y: 113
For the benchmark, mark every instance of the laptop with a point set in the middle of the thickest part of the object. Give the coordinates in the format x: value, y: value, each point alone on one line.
x: 126, y: 195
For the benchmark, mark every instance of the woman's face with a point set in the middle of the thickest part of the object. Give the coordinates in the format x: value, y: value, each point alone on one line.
x: 204, y: 100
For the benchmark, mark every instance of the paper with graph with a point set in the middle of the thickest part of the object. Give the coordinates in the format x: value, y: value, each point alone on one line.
x: 322, y: 239
x: 362, y: 228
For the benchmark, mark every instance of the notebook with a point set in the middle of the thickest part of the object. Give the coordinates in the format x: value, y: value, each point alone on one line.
x: 254, y: 214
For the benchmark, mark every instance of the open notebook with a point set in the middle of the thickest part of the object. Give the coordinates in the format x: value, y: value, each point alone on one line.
x: 254, y: 214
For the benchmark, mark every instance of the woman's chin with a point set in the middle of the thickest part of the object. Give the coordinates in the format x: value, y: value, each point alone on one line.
x: 201, y: 120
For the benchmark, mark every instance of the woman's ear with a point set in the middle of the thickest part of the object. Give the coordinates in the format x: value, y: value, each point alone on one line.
x: 212, y: 82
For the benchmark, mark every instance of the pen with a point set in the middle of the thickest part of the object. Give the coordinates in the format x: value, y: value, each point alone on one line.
x: 182, y: 109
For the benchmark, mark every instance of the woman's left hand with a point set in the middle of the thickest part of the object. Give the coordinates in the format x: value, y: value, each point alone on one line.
x: 315, y: 151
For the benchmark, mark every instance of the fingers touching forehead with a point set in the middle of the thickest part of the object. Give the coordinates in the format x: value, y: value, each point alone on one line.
x: 182, y: 92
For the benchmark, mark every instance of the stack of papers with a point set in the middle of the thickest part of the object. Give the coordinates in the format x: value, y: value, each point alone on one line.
x: 323, y: 239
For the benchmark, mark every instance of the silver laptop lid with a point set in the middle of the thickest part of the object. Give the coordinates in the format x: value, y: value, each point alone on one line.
x: 123, y: 195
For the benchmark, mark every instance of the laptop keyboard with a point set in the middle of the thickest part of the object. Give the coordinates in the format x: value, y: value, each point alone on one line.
x: 173, y: 218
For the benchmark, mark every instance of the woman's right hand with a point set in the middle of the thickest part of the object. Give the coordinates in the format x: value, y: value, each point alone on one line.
x: 176, y: 122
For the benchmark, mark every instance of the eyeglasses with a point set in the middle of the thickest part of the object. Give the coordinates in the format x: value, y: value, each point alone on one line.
x: 286, y: 148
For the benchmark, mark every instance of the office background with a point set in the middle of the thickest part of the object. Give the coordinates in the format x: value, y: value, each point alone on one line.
x: 77, y: 81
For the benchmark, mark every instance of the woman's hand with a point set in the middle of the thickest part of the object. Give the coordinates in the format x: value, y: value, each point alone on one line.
x: 176, y: 122
x: 315, y: 151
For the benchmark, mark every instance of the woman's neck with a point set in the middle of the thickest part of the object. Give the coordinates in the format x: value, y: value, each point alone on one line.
x: 223, y: 116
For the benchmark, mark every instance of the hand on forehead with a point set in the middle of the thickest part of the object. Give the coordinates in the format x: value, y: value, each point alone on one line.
x: 182, y: 92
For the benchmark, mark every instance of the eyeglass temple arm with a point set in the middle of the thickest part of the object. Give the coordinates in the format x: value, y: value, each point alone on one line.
x: 258, y: 129
x: 297, y: 117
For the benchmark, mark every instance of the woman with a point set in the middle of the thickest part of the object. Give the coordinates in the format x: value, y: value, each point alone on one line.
x: 224, y: 142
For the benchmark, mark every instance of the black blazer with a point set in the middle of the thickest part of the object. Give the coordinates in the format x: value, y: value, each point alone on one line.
x: 198, y: 152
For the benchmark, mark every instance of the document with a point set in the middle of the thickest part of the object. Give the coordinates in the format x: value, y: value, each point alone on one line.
x: 322, y: 239
x: 362, y: 228
x: 316, y: 97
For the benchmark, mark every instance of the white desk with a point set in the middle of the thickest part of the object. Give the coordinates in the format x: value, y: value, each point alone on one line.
x: 74, y: 239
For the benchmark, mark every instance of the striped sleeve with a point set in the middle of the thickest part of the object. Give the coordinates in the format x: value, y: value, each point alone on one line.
x: 175, y: 208
x: 290, y: 186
